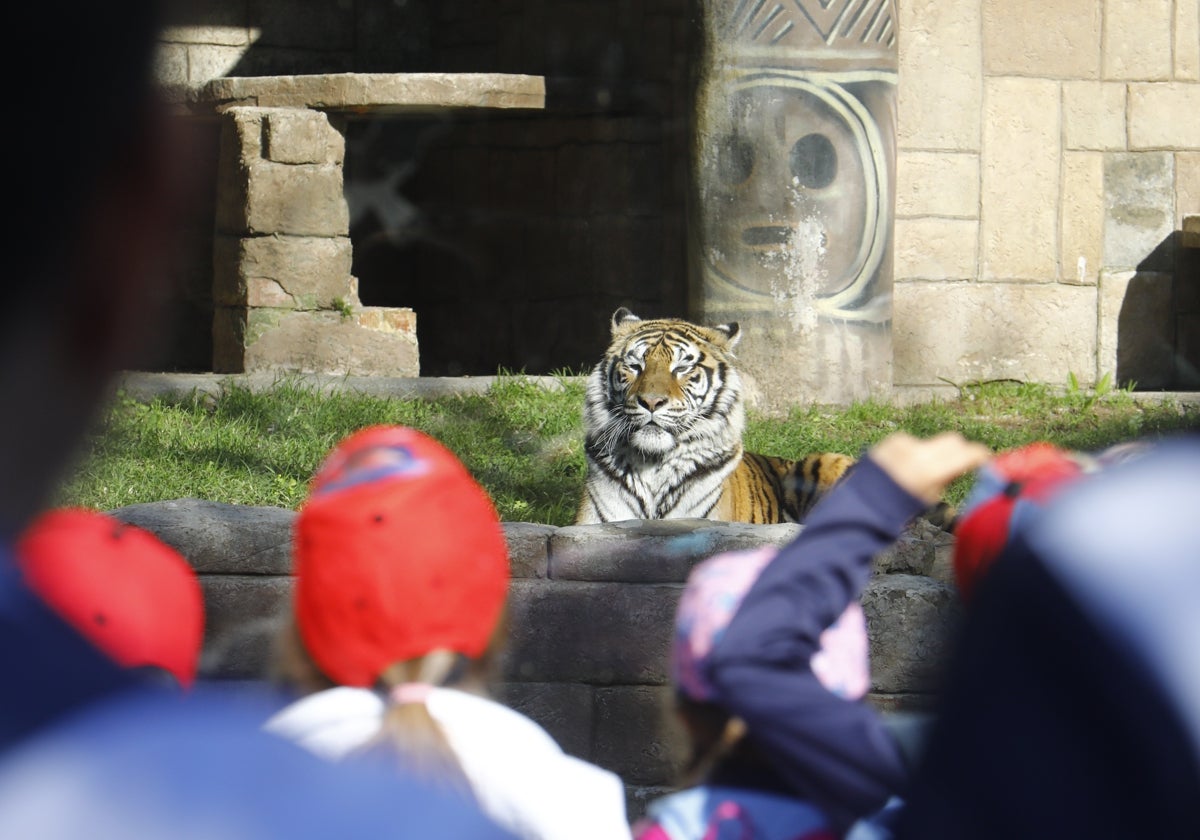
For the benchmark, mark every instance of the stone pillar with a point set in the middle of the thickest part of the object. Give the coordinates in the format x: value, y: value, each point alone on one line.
x: 283, y: 293
x: 793, y: 193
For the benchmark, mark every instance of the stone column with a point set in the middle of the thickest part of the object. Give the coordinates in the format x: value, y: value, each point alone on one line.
x: 793, y: 179
x: 283, y: 293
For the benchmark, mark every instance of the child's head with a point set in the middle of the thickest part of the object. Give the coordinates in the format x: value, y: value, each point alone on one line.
x: 1007, y: 490
x: 398, y: 553
x: 125, y: 590
x: 714, y: 591
x: 402, y: 573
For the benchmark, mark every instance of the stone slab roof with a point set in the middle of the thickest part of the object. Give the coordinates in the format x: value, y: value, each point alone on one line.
x: 376, y: 93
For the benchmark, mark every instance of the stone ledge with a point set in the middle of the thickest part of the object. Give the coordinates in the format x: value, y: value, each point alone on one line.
x: 362, y: 94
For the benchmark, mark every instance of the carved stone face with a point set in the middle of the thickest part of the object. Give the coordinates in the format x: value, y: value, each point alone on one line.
x: 792, y: 190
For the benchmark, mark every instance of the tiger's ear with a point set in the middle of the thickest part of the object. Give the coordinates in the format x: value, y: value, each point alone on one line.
x: 732, y: 333
x: 621, y: 317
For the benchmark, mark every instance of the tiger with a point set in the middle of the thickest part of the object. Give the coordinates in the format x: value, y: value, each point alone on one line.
x: 663, y: 422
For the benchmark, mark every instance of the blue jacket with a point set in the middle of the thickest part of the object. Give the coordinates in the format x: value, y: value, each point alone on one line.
x: 1072, y: 706
x: 87, y: 751
x: 833, y: 753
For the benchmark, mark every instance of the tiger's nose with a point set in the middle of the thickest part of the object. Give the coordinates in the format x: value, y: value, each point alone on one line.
x: 653, y: 402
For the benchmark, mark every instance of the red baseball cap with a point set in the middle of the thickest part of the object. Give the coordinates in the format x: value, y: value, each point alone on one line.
x: 125, y: 590
x: 398, y: 552
x: 1007, y: 488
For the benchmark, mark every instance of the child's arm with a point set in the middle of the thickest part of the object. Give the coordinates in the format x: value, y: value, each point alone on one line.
x: 833, y: 752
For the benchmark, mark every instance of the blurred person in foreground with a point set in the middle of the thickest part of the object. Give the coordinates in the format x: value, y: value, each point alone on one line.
x: 401, y: 578
x: 1072, y: 703
x: 98, y: 183
x: 770, y: 666
x: 133, y: 596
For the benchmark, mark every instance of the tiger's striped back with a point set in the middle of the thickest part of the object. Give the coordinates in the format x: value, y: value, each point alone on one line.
x: 663, y: 422
x: 766, y: 489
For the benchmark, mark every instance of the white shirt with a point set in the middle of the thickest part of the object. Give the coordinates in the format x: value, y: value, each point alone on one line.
x: 518, y: 773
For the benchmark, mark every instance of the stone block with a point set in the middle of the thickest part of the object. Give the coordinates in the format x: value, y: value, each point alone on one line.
x: 595, y: 633
x: 912, y: 553
x: 325, y: 342
x: 529, y: 548
x: 1164, y: 116
x: 243, y: 617
x: 1187, y: 186
x: 1137, y: 328
x: 652, y: 551
x: 1137, y: 39
x: 239, y: 144
x: 1022, y: 137
x: 962, y: 332
x: 289, y: 272
x: 1187, y: 41
x: 231, y: 35
x: 387, y: 319
x: 1139, y: 194
x: 301, y: 200
x: 294, y: 135
x: 171, y: 64
x: 939, y: 97
x: 936, y: 249
x: 637, y: 735
x: 218, y: 538
x: 911, y: 621
x: 1083, y: 214
x: 1054, y: 40
x: 937, y: 184
x: 229, y: 339
x: 212, y: 61
x: 564, y: 710
x: 1094, y: 115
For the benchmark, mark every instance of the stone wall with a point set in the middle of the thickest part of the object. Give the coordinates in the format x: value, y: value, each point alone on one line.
x: 590, y: 614
x: 1047, y: 153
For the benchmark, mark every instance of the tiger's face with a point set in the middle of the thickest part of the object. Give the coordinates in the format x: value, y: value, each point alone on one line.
x: 664, y: 380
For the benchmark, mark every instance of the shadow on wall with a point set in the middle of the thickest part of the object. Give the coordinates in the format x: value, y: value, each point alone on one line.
x: 512, y: 235
x: 1158, y: 328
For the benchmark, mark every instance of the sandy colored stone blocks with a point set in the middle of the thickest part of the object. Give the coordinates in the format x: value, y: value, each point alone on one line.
x: 1137, y: 328
x: 260, y: 196
x: 1139, y: 194
x: 247, y: 340
x: 937, y: 184
x: 961, y: 332
x: 1187, y: 41
x: 211, y: 61
x: 1164, y: 116
x: 1030, y: 38
x: 1187, y: 186
x: 940, y: 75
x: 289, y: 272
x: 300, y: 136
x: 909, y: 623
x: 1022, y: 156
x: 1094, y: 115
x: 1082, y: 217
x: 1137, y: 39
x: 936, y: 249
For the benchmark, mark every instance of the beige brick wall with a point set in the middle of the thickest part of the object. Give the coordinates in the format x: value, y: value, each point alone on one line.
x: 1087, y: 114
x: 1042, y: 146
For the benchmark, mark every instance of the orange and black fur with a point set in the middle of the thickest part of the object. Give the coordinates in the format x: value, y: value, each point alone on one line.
x: 663, y: 423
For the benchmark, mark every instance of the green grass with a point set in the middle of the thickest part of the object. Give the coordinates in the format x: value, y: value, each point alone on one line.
x: 524, y: 442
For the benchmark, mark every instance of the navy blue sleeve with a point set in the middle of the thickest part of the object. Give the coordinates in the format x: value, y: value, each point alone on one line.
x: 834, y: 752
x: 50, y: 670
